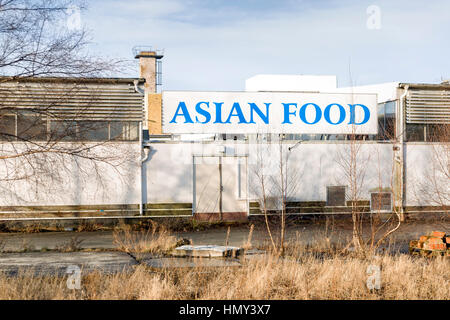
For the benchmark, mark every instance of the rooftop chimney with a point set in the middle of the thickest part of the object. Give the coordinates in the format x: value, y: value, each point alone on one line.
x: 148, y: 66
x: 150, y: 70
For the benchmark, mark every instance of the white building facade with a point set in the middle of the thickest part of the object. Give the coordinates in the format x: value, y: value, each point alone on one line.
x: 116, y: 148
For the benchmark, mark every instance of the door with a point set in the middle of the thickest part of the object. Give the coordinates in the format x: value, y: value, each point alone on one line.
x: 220, y: 185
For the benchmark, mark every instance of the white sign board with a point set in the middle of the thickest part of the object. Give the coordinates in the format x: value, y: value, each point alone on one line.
x: 268, y: 112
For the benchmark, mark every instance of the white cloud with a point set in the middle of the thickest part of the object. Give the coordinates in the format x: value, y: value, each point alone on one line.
x: 217, y: 48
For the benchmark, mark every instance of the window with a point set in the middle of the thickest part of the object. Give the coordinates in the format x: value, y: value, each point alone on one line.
x: 24, y: 125
x: 327, y: 137
x: 292, y: 137
x: 63, y: 130
x: 427, y: 132
x: 124, y: 131
x: 7, y: 127
x: 336, y: 196
x: 381, y: 201
x: 31, y: 126
x: 437, y: 132
x: 415, y: 132
x: 232, y: 136
x: 93, y: 130
x: 386, y: 120
x: 334, y: 137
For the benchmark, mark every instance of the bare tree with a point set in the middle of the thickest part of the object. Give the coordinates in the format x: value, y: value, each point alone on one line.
x: 369, y: 229
x: 39, y: 141
x: 354, y: 164
x: 433, y: 184
x: 276, y: 183
x: 262, y: 188
x: 35, y: 41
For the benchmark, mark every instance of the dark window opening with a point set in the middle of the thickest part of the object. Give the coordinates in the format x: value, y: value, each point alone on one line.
x: 124, y: 131
x: 31, y: 126
x: 7, y: 127
x: 438, y: 132
x: 336, y: 196
x: 386, y: 121
x: 427, y: 132
x: 415, y: 132
x: 381, y: 201
x: 63, y: 131
x: 93, y: 130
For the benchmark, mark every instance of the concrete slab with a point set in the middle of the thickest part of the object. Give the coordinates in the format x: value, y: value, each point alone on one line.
x: 209, y: 251
x: 162, y: 263
x: 56, y: 263
x: 52, y: 240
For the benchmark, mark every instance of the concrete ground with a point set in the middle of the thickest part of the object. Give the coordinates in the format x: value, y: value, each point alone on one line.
x: 305, y: 233
x: 105, y: 240
x: 59, y: 262
x: 30, y: 251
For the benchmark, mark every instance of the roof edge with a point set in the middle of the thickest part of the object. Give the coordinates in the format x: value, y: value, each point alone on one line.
x: 444, y: 86
x: 69, y: 80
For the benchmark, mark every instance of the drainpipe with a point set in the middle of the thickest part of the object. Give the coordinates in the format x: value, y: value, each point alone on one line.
x: 145, y: 150
x: 401, y: 156
x: 137, y: 89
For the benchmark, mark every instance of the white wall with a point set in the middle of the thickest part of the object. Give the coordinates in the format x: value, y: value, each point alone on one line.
x: 385, y: 91
x: 275, y: 82
x: 316, y: 165
x: 427, y: 170
x: 168, y: 173
x: 54, y: 179
x: 272, y: 82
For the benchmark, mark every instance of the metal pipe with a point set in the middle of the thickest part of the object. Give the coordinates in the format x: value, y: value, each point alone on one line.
x: 400, y: 139
x: 143, y: 150
x: 139, y: 90
x: 146, y: 151
x: 295, y: 145
x: 146, y: 154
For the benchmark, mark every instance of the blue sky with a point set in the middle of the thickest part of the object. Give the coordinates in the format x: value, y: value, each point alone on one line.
x: 216, y: 45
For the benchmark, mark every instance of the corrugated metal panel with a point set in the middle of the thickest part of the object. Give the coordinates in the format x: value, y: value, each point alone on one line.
x: 75, y: 102
x: 426, y: 106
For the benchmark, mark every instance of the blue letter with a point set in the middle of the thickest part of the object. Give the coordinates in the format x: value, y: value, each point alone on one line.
x: 218, y: 112
x: 264, y: 118
x: 318, y: 113
x: 203, y: 112
x: 326, y: 113
x: 238, y: 113
x: 184, y: 113
x: 352, y: 114
x: 287, y: 113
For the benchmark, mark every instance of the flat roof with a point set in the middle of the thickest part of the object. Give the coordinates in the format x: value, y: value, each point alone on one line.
x: 443, y: 86
x: 70, y: 79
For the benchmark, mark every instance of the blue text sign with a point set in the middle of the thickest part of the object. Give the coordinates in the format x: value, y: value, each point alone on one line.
x: 268, y: 112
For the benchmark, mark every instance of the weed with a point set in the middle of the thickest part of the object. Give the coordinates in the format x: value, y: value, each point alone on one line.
x: 73, y: 244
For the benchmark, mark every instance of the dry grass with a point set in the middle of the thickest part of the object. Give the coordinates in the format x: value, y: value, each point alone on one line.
x: 266, y: 277
x: 317, y: 270
x: 73, y: 244
x: 157, y: 239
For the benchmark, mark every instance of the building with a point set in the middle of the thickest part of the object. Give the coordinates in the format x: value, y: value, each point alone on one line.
x: 154, y: 158
x: 70, y: 146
